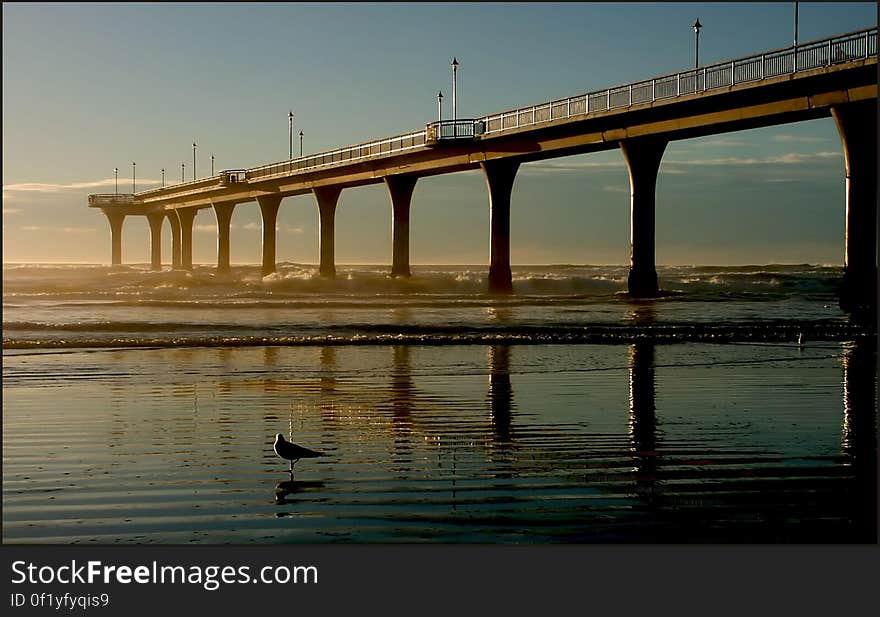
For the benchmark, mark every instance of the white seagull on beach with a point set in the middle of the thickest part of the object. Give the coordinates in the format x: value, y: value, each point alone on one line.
x: 291, y: 451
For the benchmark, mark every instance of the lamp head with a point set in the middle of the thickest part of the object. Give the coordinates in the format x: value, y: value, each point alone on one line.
x: 697, y: 26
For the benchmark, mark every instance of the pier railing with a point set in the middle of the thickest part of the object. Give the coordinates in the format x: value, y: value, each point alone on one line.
x: 816, y: 54
x: 398, y: 143
x: 112, y: 199
x: 809, y: 56
x: 452, y: 130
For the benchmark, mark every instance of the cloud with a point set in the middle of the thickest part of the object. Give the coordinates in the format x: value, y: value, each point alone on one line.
x: 792, y: 158
x: 613, y: 188
x: 799, y: 139
x: 37, y: 187
x: 725, y: 143
x: 212, y: 228
x: 67, y: 230
x: 545, y: 167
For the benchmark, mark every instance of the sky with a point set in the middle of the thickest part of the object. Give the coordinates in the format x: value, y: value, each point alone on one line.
x: 91, y: 87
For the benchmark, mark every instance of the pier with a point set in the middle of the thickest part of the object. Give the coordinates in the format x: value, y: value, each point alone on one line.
x: 833, y: 77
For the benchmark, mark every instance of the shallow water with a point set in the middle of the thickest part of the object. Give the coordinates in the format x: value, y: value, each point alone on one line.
x: 687, y: 442
x: 141, y: 406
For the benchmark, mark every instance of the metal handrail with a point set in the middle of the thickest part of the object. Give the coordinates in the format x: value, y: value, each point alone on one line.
x: 111, y: 198
x: 206, y: 181
x: 453, y: 129
x: 398, y: 143
x: 786, y: 60
x: 808, y: 56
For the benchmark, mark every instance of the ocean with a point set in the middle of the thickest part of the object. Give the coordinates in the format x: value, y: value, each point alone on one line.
x: 140, y: 407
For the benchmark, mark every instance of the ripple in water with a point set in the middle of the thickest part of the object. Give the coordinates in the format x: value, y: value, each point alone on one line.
x: 644, y: 442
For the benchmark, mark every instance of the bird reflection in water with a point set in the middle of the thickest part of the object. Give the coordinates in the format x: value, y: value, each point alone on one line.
x: 291, y: 487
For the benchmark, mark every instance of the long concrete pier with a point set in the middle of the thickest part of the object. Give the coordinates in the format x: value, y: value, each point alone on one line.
x: 834, y: 77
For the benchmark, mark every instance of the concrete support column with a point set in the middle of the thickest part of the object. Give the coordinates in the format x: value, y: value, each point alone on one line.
x: 175, y: 239
x: 642, y: 157
x: 155, y: 220
x: 185, y: 217
x: 499, y: 178
x: 115, y: 219
x: 857, y: 125
x: 269, y: 210
x: 223, y: 212
x: 327, y: 198
x: 400, y: 188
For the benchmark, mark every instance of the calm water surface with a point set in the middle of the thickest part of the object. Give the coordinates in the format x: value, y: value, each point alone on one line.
x: 643, y: 442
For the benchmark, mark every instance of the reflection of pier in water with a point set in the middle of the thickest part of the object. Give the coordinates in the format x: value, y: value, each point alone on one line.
x: 643, y: 419
x: 686, y: 490
x: 402, y: 404
x: 859, y: 437
x: 772, y: 497
x: 500, y: 394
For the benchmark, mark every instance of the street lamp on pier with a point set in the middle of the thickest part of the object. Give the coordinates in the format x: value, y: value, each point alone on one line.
x: 163, y: 177
x: 212, y: 165
x: 440, y: 106
x: 300, y: 143
x: 182, y: 168
x: 290, y: 134
x: 132, y: 178
x: 697, y: 26
x: 116, y: 176
x: 194, y: 161
x: 454, y: 75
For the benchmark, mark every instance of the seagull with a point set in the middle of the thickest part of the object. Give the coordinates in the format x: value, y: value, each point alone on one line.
x: 291, y: 451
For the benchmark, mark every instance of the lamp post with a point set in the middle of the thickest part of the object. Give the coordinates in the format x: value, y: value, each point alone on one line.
x: 795, y: 35
x: 300, y: 143
x: 182, y: 167
x: 212, y: 165
x: 116, y: 176
x: 163, y: 177
x: 132, y: 178
x: 440, y: 106
x: 697, y: 26
x: 290, y: 134
x: 194, y: 160
x: 454, y: 75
